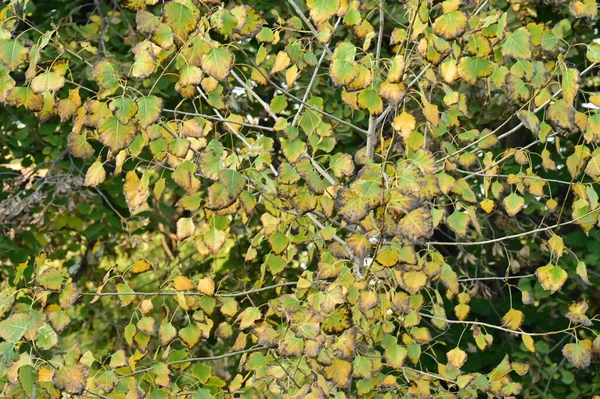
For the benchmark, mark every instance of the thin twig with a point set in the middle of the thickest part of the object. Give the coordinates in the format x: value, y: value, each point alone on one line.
x: 510, y: 237
x: 514, y: 129
x: 313, y: 78
x: 462, y: 280
x: 493, y: 326
x: 199, y: 359
x: 307, y: 22
x: 96, y: 394
x: 192, y: 293
x: 219, y: 119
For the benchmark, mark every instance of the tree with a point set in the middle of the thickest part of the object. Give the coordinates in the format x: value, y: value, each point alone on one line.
x: 299, y: 199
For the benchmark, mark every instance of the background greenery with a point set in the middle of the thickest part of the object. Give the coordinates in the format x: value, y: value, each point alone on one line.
x: 453, y: 144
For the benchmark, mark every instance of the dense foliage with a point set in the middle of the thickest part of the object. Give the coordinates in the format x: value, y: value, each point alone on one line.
x: 304, y: 199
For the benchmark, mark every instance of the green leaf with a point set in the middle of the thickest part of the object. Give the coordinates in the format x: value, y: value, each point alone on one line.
x: 28, y: 378
x: 458, y: 222
x: 232, y: 180
x: 51, y: 278
x: 190, y: 335
x: 310, y: 121
x: 46, y: 337
x: 14, y: 327
x: 517, y: 44
x: 581, y: 271
x: 275, y: 264
x: 570, y: 84
x: 148, y: 110
x: 279, y: 243
x: 593, y: 52
x: 12, y: 53
x: 166, y: 333
x: 371, y: 100
x: 219, y: 196
x: 472, y: 68
x: 217, y: 62
x: 513, y: 204
x: 202, y: 393
x: 106, y: 76
x: 342, y: 72
x: 123, y: 108
x: 181, y: 17
x: 114, y: 134
x: 395, y: 355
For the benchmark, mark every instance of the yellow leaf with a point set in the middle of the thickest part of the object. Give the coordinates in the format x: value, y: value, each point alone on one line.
x: 141, y: 266
x: 95, y: 175
x: 144, y: 61
x: 291, y: 75
x: 421, y: 334
x: 416, y: 225
x: 71, y: 379
x: 182, y: 283
x: 431, y: 113
x: 528, y: 342
x: 392, y: 92
x: 185, y: 228
x: 206, y: 286
x: 412, y: 281
x: 456, y: 357
x: 387, y: 257
x: 282, y: 60
x: 367, y: 301
x: 339, y: 372
x: 47, y: 81
x: 462, y: 311
x: 513, y: 319
x: 487, y: 205
x: 249, y: 316
x: 136, y: 190
x: 557, y: 245
x: 322, y: 10
x: 404, y: 123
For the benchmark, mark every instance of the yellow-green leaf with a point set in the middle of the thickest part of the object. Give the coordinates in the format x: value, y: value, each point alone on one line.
x: 450, y: 25
x: 551, y: 277
x: 217, y: 62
